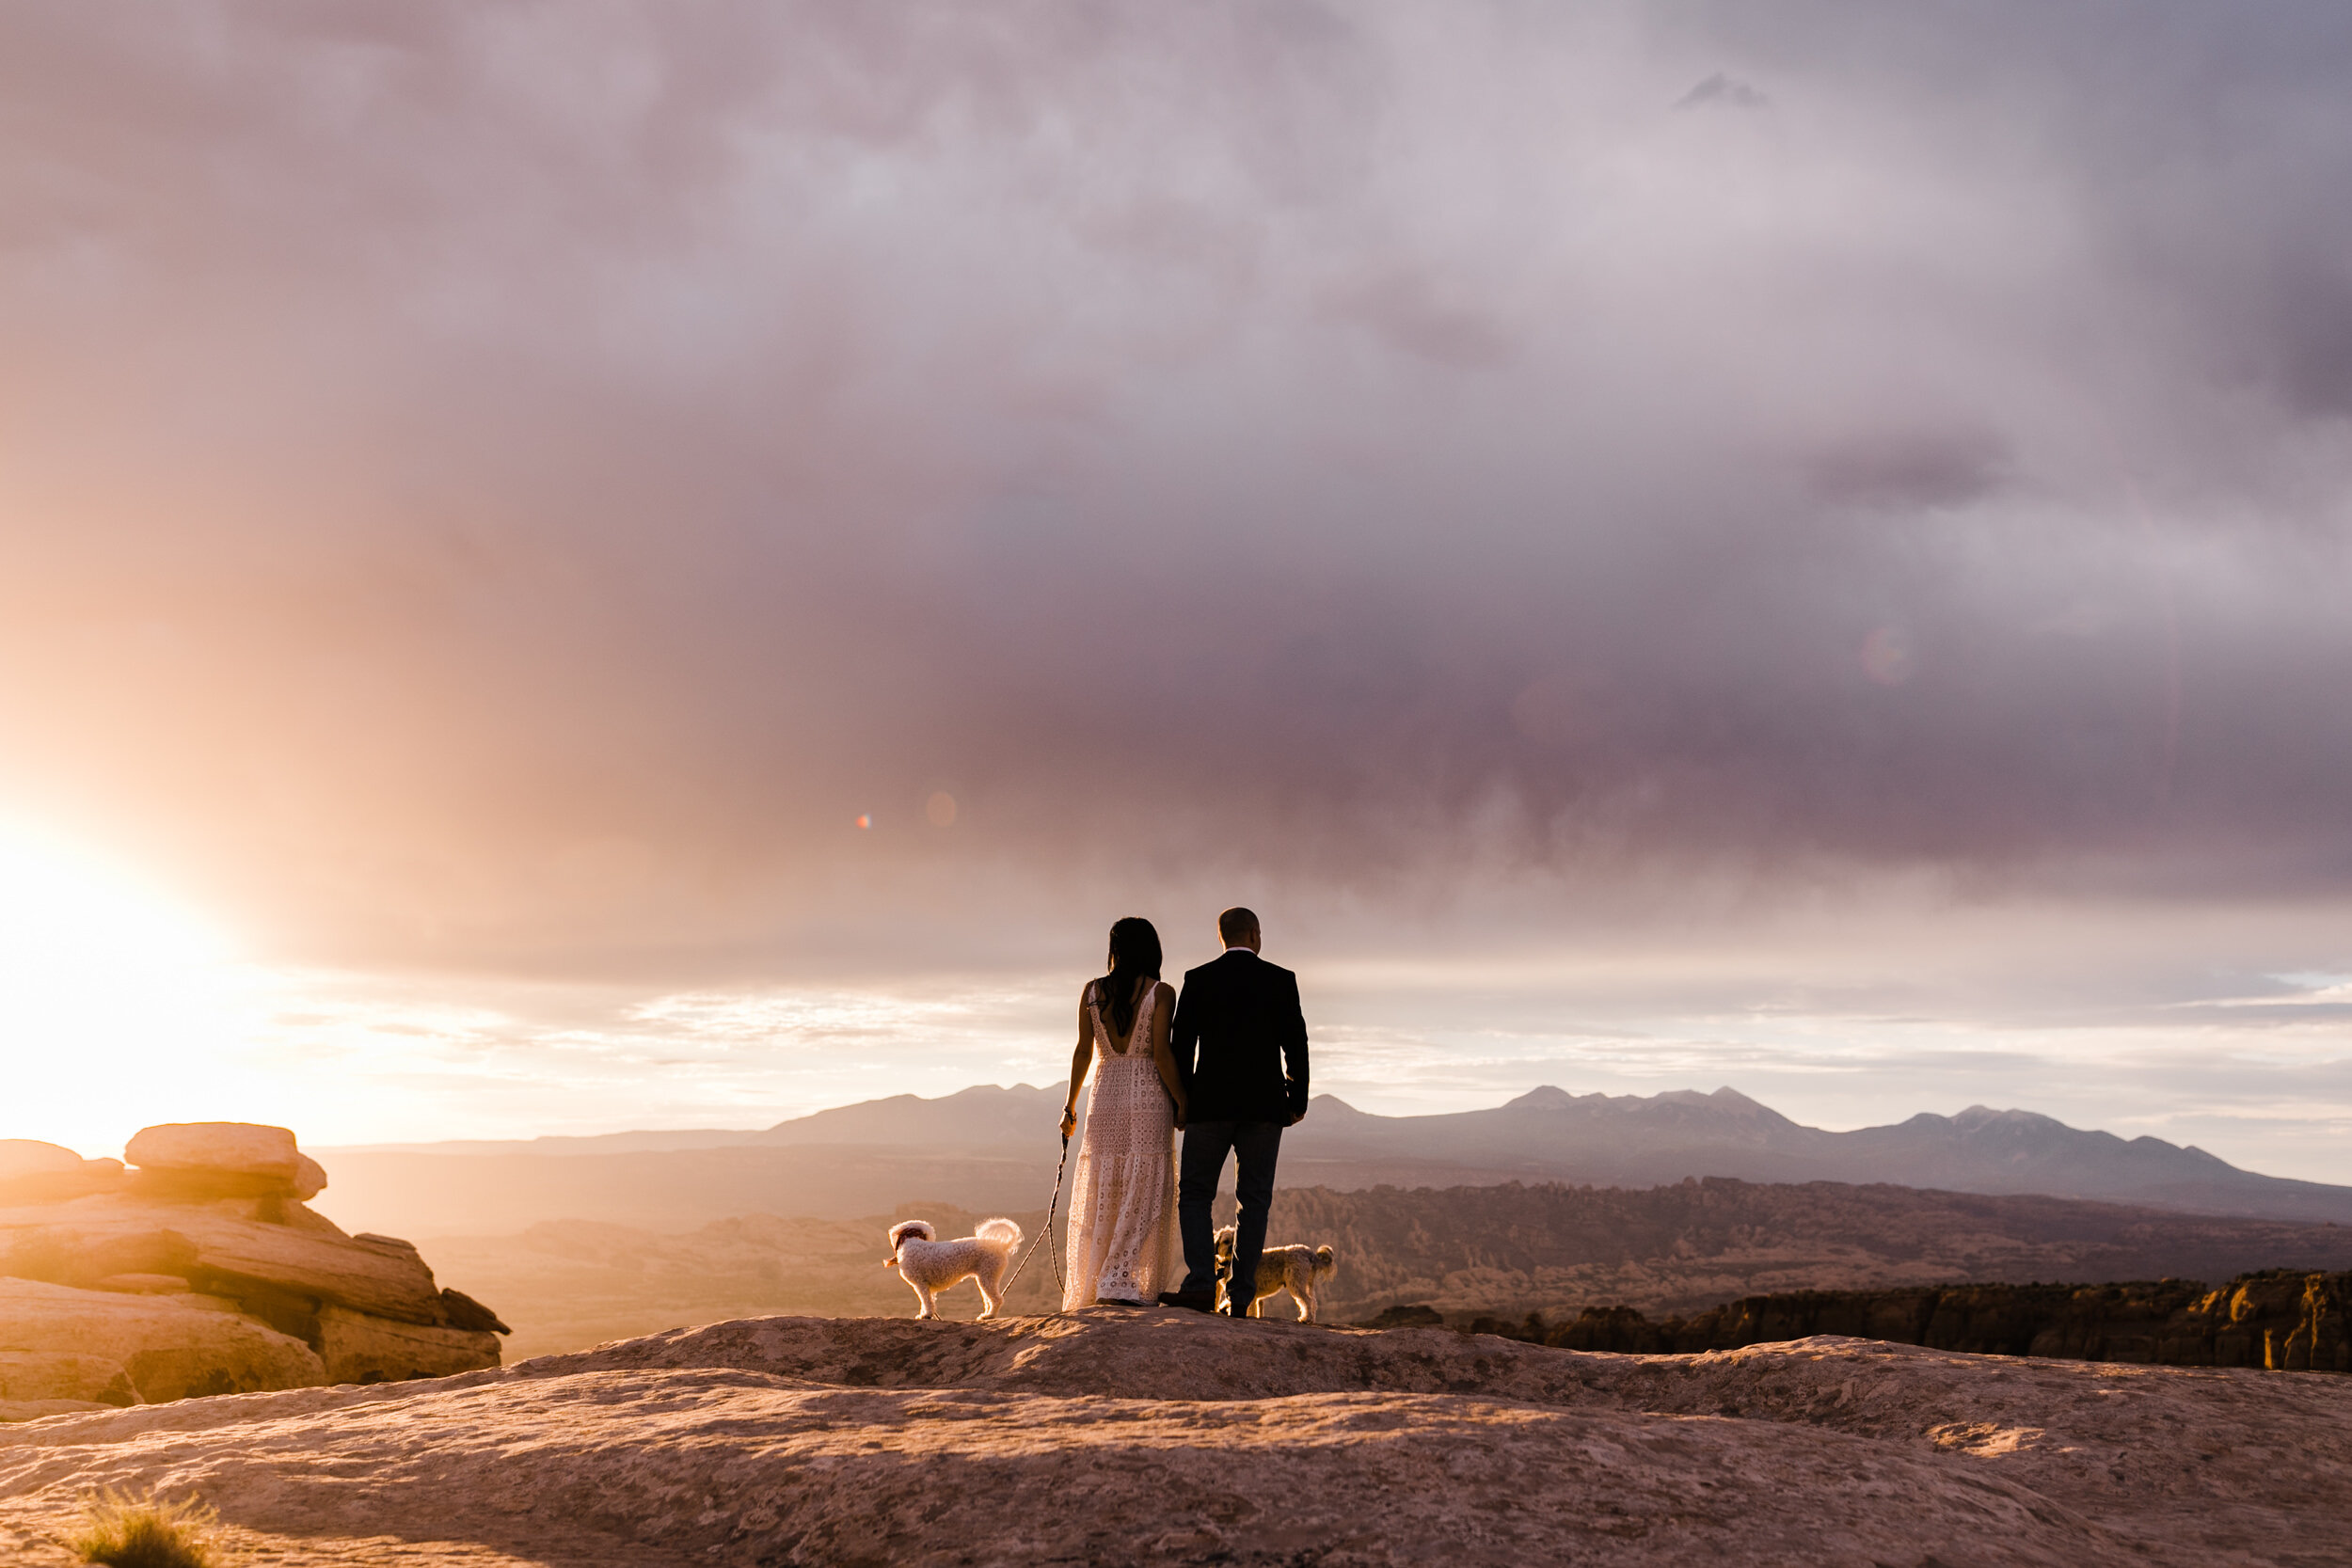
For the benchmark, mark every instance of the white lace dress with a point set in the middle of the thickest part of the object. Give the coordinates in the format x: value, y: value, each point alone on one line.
x: 1123, y: 1201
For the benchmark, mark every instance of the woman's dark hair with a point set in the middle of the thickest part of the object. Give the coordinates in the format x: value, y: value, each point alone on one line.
x: 1135, y: 956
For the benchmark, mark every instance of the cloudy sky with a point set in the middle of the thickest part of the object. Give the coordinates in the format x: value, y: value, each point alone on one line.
x: 600, y: 564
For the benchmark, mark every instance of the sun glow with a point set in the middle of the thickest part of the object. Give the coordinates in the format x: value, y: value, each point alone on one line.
x: 113, y: 999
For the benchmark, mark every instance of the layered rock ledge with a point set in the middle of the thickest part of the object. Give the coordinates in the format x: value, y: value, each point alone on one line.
x: 202, y: 1271
x: 1115, y: 1437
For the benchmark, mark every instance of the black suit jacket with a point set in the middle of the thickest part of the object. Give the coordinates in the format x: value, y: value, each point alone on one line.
x: 1240, y: 1041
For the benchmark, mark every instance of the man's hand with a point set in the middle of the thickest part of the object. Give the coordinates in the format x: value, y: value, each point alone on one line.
x: 1297, y: 1119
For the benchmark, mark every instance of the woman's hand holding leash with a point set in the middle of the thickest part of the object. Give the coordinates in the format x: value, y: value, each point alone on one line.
x: 1046, y: 1235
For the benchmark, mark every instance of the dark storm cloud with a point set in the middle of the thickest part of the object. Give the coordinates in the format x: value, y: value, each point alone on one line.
x: 509, y: 482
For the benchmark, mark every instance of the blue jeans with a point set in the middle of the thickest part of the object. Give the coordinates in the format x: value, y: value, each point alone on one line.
x: 1254, y: 1145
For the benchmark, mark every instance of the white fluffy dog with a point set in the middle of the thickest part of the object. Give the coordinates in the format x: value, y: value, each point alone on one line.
x: 930, y: 1265
x: 1295, y: 1269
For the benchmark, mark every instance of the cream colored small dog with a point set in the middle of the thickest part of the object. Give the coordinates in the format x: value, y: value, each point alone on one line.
x: 1295, y: 1269
x: 932, y: 1265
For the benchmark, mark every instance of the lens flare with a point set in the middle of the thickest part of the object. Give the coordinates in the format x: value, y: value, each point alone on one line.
x: 1887, y: 656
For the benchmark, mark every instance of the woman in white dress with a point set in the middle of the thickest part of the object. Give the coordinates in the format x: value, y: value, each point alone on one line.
x: 1123, y: 1201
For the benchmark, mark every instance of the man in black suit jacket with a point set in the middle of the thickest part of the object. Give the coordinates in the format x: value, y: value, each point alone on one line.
x: 1240, y: 1043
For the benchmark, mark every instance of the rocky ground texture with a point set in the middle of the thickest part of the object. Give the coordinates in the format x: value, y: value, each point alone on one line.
x: 1117, y: 1436
x: 203, y: 1271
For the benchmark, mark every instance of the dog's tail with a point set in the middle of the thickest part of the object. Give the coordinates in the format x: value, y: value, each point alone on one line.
x: 919, y: 1230
x: 1326, y: 1264
x: 999, y: 1230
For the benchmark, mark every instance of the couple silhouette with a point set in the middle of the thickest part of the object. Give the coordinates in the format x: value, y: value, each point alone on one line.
x: 1224, y: 1061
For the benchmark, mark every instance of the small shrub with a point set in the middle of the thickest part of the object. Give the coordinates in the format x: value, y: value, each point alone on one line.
x: 124, y: 1532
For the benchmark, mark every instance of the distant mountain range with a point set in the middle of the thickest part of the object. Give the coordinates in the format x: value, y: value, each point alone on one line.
x: 1633, y: 1141
x: 994, y: 1147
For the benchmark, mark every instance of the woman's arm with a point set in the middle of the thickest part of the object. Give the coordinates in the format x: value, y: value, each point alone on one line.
x: 1080, y: 1060
x: 1163, y: 1008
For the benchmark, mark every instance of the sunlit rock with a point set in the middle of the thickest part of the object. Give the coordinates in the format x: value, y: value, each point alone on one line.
x: 170, y: 1347
x: 81, y: 1242
x: 36, y: 1172
x: 206, y: 1273
x: 223, y: 1159
x: 34, y: 1410
x: 360, y: 1349
x: 220, y: 1159
x: 37, y: 1375
x: 143, y: 1284
x: 30, y: 1157
x: 238, y: 1148
x: 310, y: 1178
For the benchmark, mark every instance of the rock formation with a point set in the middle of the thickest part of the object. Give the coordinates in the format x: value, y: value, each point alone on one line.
x: 1121, y: 1436
x: 122, y: 1349
x: 202, y: 1271
x: 2282, y: 1320
x: 224, y: 1159
x: 34, y: 1172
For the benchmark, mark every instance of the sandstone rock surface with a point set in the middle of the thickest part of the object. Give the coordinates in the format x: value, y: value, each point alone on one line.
x: 226, y: 1147
x: 36, y: 1172
x: 206, y: 1274
x: 359, y: 1348
x: 33, y: 1410
x: 310, y: 1178
x: 171, y: 1347
x: 46, y: 1376
x: 223, y: 1159
x: 1114, y: 1437
x: 30, y: 1156
x: 216, y: 1248
x: 144, y: 1284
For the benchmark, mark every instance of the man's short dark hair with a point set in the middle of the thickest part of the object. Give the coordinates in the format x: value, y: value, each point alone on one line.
x: 1236, y: 924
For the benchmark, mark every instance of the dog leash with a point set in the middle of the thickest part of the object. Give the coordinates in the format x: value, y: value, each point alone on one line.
x: 1047, y: 1234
